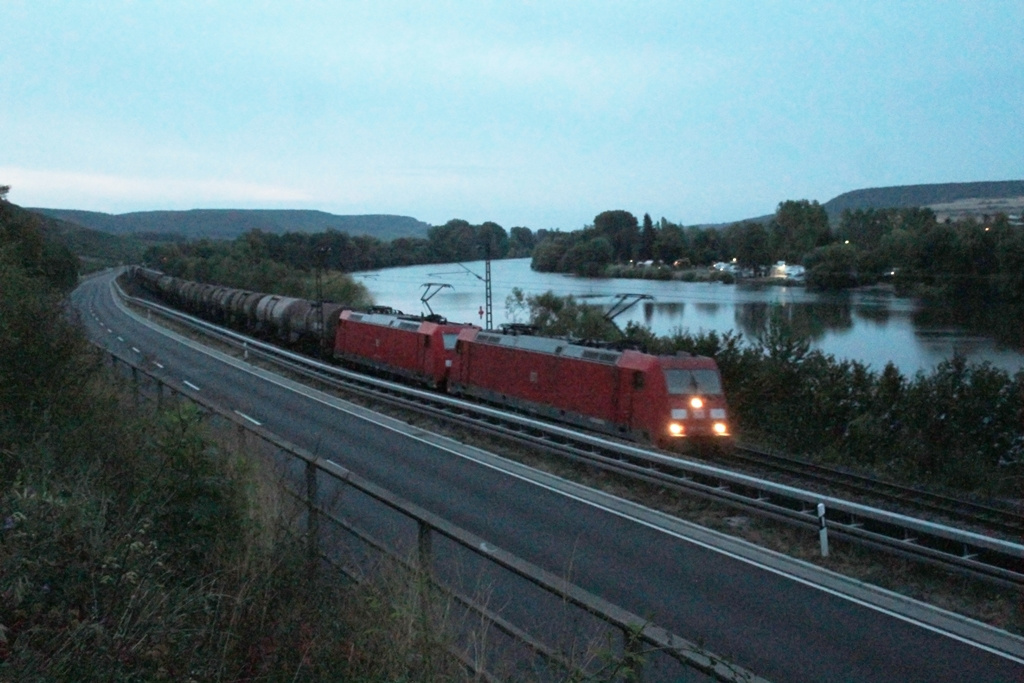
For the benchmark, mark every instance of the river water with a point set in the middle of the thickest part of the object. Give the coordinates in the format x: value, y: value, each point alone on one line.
x: 874, y: 327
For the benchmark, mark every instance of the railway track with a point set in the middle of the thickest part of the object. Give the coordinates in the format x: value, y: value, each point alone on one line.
x: 1003, y: 520
x: 977, y: 551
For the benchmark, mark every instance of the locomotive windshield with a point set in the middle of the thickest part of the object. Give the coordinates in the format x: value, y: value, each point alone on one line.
x: 692, y: 381
x: 449, y: 340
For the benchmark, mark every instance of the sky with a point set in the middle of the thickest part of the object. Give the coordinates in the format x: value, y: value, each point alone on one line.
x: 538, y: 114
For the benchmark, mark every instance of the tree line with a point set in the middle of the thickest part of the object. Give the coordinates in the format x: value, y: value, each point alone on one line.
x: 908, y: 246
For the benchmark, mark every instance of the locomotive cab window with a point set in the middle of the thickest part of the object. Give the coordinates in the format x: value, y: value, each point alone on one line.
x: 692, y: 381
x: 449, y: 341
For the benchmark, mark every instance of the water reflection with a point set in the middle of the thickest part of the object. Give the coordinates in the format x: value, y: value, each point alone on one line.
x: 873, y: 327
x: 813, y: 321
x: 873, y: 314
x: 1003, y: 322
x: 673, y: 310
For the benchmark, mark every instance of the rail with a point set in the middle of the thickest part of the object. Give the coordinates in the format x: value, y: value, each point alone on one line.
x: 994, y: 559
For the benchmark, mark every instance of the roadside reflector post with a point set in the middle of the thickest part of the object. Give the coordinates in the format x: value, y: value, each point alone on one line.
x: 312, y: 519
x: 245, y: 350
x: 822, y: 530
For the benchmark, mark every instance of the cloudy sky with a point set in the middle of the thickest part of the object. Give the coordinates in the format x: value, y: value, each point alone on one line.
x: 540, y: 114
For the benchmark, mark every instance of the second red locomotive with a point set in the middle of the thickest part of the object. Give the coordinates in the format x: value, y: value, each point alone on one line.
x: 412, y: 348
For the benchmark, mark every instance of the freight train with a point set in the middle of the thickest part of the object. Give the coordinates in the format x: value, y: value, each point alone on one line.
x: 663, y: 400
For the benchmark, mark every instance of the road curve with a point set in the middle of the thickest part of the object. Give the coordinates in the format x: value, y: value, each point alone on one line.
x: 766, y: 621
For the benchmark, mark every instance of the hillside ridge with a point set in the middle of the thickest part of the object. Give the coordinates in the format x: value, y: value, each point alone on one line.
x: 931, y: 195
x: 231, y: 223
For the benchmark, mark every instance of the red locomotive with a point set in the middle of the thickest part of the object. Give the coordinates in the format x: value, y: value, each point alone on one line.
x: 658, y: 399
x: 415, y: 349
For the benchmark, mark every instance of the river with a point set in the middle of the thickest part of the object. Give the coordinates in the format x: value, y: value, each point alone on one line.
x: 874, y: 327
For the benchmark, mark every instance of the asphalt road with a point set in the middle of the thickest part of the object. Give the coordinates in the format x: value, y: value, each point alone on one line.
x: 780, y: 628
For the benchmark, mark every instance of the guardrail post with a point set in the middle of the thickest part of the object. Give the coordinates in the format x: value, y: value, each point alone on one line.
x: 822, y: 530
x: 135, y: 385
x: 424, y: 545
x: 423, y: 580
x: 312, y: 518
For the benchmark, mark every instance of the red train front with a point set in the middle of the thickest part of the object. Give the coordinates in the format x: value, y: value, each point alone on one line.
x: 659, y: 399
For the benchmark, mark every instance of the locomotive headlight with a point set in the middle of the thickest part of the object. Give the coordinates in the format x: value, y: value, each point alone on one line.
x: 720, y: 428
x: 696, y: 402
x: 675, y: 429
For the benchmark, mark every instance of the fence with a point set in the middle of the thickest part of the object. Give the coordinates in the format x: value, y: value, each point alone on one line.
x: 509, y: 618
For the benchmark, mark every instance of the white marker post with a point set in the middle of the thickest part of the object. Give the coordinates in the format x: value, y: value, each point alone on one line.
x: 822, y: 530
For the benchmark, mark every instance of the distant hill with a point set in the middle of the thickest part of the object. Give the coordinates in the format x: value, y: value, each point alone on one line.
x: 946, y: 199
x: 95, y: 248
x: 230, y: 223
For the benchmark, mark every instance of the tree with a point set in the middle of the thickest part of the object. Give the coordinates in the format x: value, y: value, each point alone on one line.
x: 647, y: 238
x: 798, y: 227
x: 621, y: 230
x: 832, y: 267
x: 549, y: 252
x: 751, y: 245
x: 492, y: 241
x: 4, y: 189
x: 670, y: 243
x: 587, y: 257
x: 521, y: 242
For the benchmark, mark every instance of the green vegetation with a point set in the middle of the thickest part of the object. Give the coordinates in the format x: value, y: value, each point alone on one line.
x: 958, y: 427
x: 249, y: 263
x: 133, y: 547
x: 266, y: 262
x: 908, y: 247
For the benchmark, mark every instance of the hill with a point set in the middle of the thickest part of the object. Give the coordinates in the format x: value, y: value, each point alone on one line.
x: 228, y: 224
x: 948, y: 200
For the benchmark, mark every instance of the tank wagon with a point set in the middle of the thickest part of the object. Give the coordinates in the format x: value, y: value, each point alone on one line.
x: 288, y: 319
x: 416, y: 349
x: 658, y: 399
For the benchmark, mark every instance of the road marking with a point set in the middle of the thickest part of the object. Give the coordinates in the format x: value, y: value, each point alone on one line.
x: 158, y: 365
x: 576, y: 494
x: 136, y: 350
x: 255, y: 422
x: 190, y: 385
x: 120, y: 339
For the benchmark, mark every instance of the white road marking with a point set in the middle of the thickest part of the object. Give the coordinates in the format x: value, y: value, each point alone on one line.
x: 120, y: 339
x: 338, y: 404
x: 158, y: 365
x: 255, y: 422
x: 190, y: 385
x: 136, y: 350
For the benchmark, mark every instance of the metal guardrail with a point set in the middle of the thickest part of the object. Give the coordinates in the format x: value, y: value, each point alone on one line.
x: 991, y: 558
x: 647, y: 651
